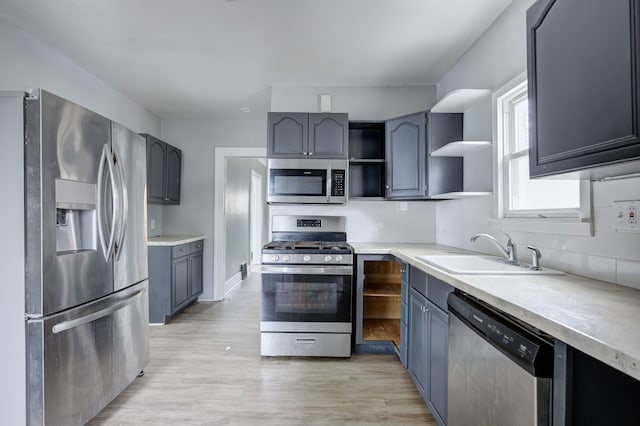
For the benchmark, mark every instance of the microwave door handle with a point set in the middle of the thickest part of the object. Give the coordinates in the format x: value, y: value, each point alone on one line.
x: 329, y: 177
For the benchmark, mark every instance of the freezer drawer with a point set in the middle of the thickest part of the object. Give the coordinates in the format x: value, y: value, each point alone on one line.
x: 81, y: 359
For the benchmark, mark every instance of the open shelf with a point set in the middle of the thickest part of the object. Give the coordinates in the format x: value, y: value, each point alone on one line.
x: 459, y: 100
x: 381, y: 329
x: 382, y: 289
x: 460, y: 148
x: 457, y: 195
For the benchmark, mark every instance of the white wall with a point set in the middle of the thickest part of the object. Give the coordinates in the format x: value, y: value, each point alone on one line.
x: 361, y: 103
x: 497, y: 57
x: 198, y: 140
x: 28, y: 63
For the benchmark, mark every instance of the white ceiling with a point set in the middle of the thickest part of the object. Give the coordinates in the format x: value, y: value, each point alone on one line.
x: 198, y: 59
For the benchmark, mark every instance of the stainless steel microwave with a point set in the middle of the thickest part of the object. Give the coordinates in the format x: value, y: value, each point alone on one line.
x: 304, y: 181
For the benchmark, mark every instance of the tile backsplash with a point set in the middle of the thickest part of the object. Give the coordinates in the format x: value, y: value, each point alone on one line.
x: 608, y: 255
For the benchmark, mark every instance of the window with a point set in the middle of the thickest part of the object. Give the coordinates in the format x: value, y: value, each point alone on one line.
x: 519, y: 195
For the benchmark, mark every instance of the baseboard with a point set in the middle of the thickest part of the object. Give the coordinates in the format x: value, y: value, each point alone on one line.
x: 232, y: 282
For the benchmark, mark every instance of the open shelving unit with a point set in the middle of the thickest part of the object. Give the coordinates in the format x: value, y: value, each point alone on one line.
x: 366, y: 160
x: 458, y: 101
x: 460, y: 148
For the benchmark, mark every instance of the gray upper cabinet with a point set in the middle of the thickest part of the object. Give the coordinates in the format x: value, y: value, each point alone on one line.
x: 411, y: 172
x: 164, y: 169
x: 584, y: 87
x: 328, y: 135
x: 287, y: 134
x: 156, y: 154
x: 406, y: 157
x: 307, y: 135
x: 174, y: 170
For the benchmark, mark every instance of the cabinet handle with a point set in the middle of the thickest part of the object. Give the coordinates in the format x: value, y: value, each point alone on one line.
x: 311, y: 153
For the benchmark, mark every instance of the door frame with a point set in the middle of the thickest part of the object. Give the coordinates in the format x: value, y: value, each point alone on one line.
x: 219, y: 220
x: 256, y: 216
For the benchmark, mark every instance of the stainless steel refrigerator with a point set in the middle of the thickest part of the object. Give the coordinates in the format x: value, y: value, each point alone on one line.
x: 86, y: 300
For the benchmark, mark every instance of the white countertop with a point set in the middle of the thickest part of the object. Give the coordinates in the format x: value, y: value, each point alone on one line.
x: 173, y: 240
x: 600, y: 319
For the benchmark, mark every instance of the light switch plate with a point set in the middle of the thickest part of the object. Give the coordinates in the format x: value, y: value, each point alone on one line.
x: 625, y: 216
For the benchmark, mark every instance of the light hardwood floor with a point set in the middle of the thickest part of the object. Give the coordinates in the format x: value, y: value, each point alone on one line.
x: 206, y: 369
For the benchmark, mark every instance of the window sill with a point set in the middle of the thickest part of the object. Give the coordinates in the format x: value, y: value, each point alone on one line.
x: 545, y: 226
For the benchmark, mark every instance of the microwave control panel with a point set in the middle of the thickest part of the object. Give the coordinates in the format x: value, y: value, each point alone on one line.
x: 338, y: 178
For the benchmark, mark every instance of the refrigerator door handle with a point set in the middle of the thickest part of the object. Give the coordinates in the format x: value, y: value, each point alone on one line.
x: 123, y: 206
x: 86, y: 319
x: 107, y: 247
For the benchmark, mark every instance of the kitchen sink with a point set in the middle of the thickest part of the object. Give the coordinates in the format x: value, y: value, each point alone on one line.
x: 482, y: 265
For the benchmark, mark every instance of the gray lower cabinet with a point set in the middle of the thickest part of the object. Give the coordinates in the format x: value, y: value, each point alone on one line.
x: 587, y: 391
x: 428, y: 340
x: 175, y: 279
x: 418, y: 342
x: 404, y: 313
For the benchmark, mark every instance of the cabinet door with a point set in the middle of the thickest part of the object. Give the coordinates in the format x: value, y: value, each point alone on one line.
x: 406, y: 157
x: 287, y: 135
x: 156, y: 154
x: 180, y: 284
x: 328, y: 135
x: 417, y: 338
x: 438, y: 343
x: 196, y: 274
x: 174, y: 168
x: 584, y: 90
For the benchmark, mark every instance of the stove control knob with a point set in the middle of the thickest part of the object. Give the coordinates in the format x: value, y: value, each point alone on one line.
x: 338, y: 258
x: 327, y: 258
x: 286, y: 258
x: 275, y: 258
x: 306, y: 258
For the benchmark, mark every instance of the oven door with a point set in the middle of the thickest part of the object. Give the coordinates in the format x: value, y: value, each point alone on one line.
x: 306, y: 294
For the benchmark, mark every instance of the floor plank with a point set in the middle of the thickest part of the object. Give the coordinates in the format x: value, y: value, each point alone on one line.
x: 206, y: 369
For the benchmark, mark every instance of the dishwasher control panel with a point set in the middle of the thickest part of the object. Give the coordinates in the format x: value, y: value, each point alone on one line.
x: 496, y: 328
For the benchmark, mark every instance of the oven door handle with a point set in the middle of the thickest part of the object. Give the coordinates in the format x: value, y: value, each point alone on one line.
x: 308, y: 270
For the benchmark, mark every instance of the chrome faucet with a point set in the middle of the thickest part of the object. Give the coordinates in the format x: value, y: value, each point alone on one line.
x: 510, y: 252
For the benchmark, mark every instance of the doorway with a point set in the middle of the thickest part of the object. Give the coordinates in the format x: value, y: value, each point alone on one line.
x: 221, y: 282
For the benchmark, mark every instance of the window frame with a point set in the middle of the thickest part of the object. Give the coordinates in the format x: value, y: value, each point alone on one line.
x: 580, y: 215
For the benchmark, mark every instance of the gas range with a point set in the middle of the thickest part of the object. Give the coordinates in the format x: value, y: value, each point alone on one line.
x: 307, y: 253
x: 307, y: 283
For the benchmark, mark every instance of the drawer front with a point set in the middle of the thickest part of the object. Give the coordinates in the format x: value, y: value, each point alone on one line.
x: 418, y: 280
x: 305, y: 344
x: 197, y: 246
x: 181, y: 250
x: 438, y: 291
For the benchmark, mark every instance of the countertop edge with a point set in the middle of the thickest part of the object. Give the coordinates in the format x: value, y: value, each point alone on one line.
x: 172, y: 240
x: 594, y: 346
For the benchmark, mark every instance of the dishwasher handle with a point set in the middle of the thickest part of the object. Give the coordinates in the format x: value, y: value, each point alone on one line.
x: 529, y: 351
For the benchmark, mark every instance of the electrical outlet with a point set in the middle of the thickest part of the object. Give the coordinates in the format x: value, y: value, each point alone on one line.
x: 625, y: 216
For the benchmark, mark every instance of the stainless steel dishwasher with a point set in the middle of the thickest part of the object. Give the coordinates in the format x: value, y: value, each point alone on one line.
x: 499, y: 369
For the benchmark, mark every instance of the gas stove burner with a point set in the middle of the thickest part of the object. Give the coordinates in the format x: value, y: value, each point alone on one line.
x: 278, y: 245
x: 335, y: 246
